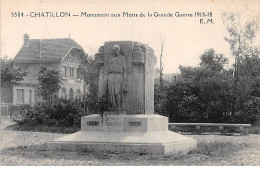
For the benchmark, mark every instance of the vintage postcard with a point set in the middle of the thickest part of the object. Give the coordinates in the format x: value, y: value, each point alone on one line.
x: 153, y: 82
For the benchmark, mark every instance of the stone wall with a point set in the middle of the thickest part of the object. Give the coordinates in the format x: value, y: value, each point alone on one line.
x: 71, y: 84
x: 26, y: 90
x: 67, y: 82
x: 34, y: 68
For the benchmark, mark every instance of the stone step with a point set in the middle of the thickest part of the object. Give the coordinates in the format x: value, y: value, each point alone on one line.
x: 154, y: 142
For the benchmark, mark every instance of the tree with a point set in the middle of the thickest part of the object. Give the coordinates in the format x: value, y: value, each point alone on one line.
x: 49, y: 82
x: 90, y: 74
x: 213, y: 61
x: 201, y: 94
x: 241, y: 32
x: 10, y: 73
x: 159, y: 90
x: 249, y: 77
x: 160, y: 99
x: 161, y: 64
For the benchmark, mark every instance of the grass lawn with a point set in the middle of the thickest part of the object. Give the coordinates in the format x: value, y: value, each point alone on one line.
x: 24, y: 148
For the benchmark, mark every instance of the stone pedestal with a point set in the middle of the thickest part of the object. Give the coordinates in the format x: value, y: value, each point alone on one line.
x: 124, y: 123
x: 132, y: 126
x: 124, y: 133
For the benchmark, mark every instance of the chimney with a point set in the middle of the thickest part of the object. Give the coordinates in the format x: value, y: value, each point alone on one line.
x: 26, y: 40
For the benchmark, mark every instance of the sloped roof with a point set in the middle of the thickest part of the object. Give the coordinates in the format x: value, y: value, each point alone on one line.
x: 46, y: 49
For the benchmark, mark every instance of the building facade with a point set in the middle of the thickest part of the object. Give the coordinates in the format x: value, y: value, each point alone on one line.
x: 62, y: 55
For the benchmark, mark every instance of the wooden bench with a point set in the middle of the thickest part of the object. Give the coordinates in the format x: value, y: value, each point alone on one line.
x: 222, y: 126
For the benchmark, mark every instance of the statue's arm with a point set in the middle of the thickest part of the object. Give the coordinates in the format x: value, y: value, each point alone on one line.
x: 125, y: 88
x: 106, y: 74
x: 124, y: 68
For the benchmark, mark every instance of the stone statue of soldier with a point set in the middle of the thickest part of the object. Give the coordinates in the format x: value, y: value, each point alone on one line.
x: 116, y: 79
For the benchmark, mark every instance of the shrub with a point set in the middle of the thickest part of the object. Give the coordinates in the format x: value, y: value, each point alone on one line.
x: 91, y: 103
x: 63, y: 113
x: 160, y: 99
x: 30, y: 115
x: 249, y: 113
x: 67, y: 113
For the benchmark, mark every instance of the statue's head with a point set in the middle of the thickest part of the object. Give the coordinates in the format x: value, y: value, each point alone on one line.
x: 116, y: 49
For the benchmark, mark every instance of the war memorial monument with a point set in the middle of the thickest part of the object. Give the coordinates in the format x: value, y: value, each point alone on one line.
x: 129, y: 124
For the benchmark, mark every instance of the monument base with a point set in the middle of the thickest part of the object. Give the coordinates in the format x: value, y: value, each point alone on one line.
x: 125, y: 133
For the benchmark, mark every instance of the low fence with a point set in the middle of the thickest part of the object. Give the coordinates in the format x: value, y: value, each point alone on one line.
x: 6, y: 109
x: 223, y: 127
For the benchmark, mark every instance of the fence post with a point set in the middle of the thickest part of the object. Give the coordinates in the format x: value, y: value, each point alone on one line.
x: 223, y: 130
x: 244, y: 131
x: 198, y: 129
x: 172, y: 127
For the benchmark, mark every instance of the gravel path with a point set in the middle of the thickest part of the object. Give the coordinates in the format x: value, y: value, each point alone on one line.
x: 248, y: 155
x: 22, y: 148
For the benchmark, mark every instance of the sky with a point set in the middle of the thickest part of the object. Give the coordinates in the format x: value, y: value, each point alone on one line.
x: 185, y: 39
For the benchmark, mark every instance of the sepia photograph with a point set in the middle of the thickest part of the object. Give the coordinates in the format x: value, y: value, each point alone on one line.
x: 130, y: 83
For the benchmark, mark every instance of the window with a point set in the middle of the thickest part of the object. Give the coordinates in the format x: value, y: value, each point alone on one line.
x: 20, y: 95
x: 71, y: 94
x: 63, y: 93
x: 71, y: 71
x: 35, y: 96
x: 64, y: 71
x: 78, y: 73
x: 30, y: 96
x: 78, y: 94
